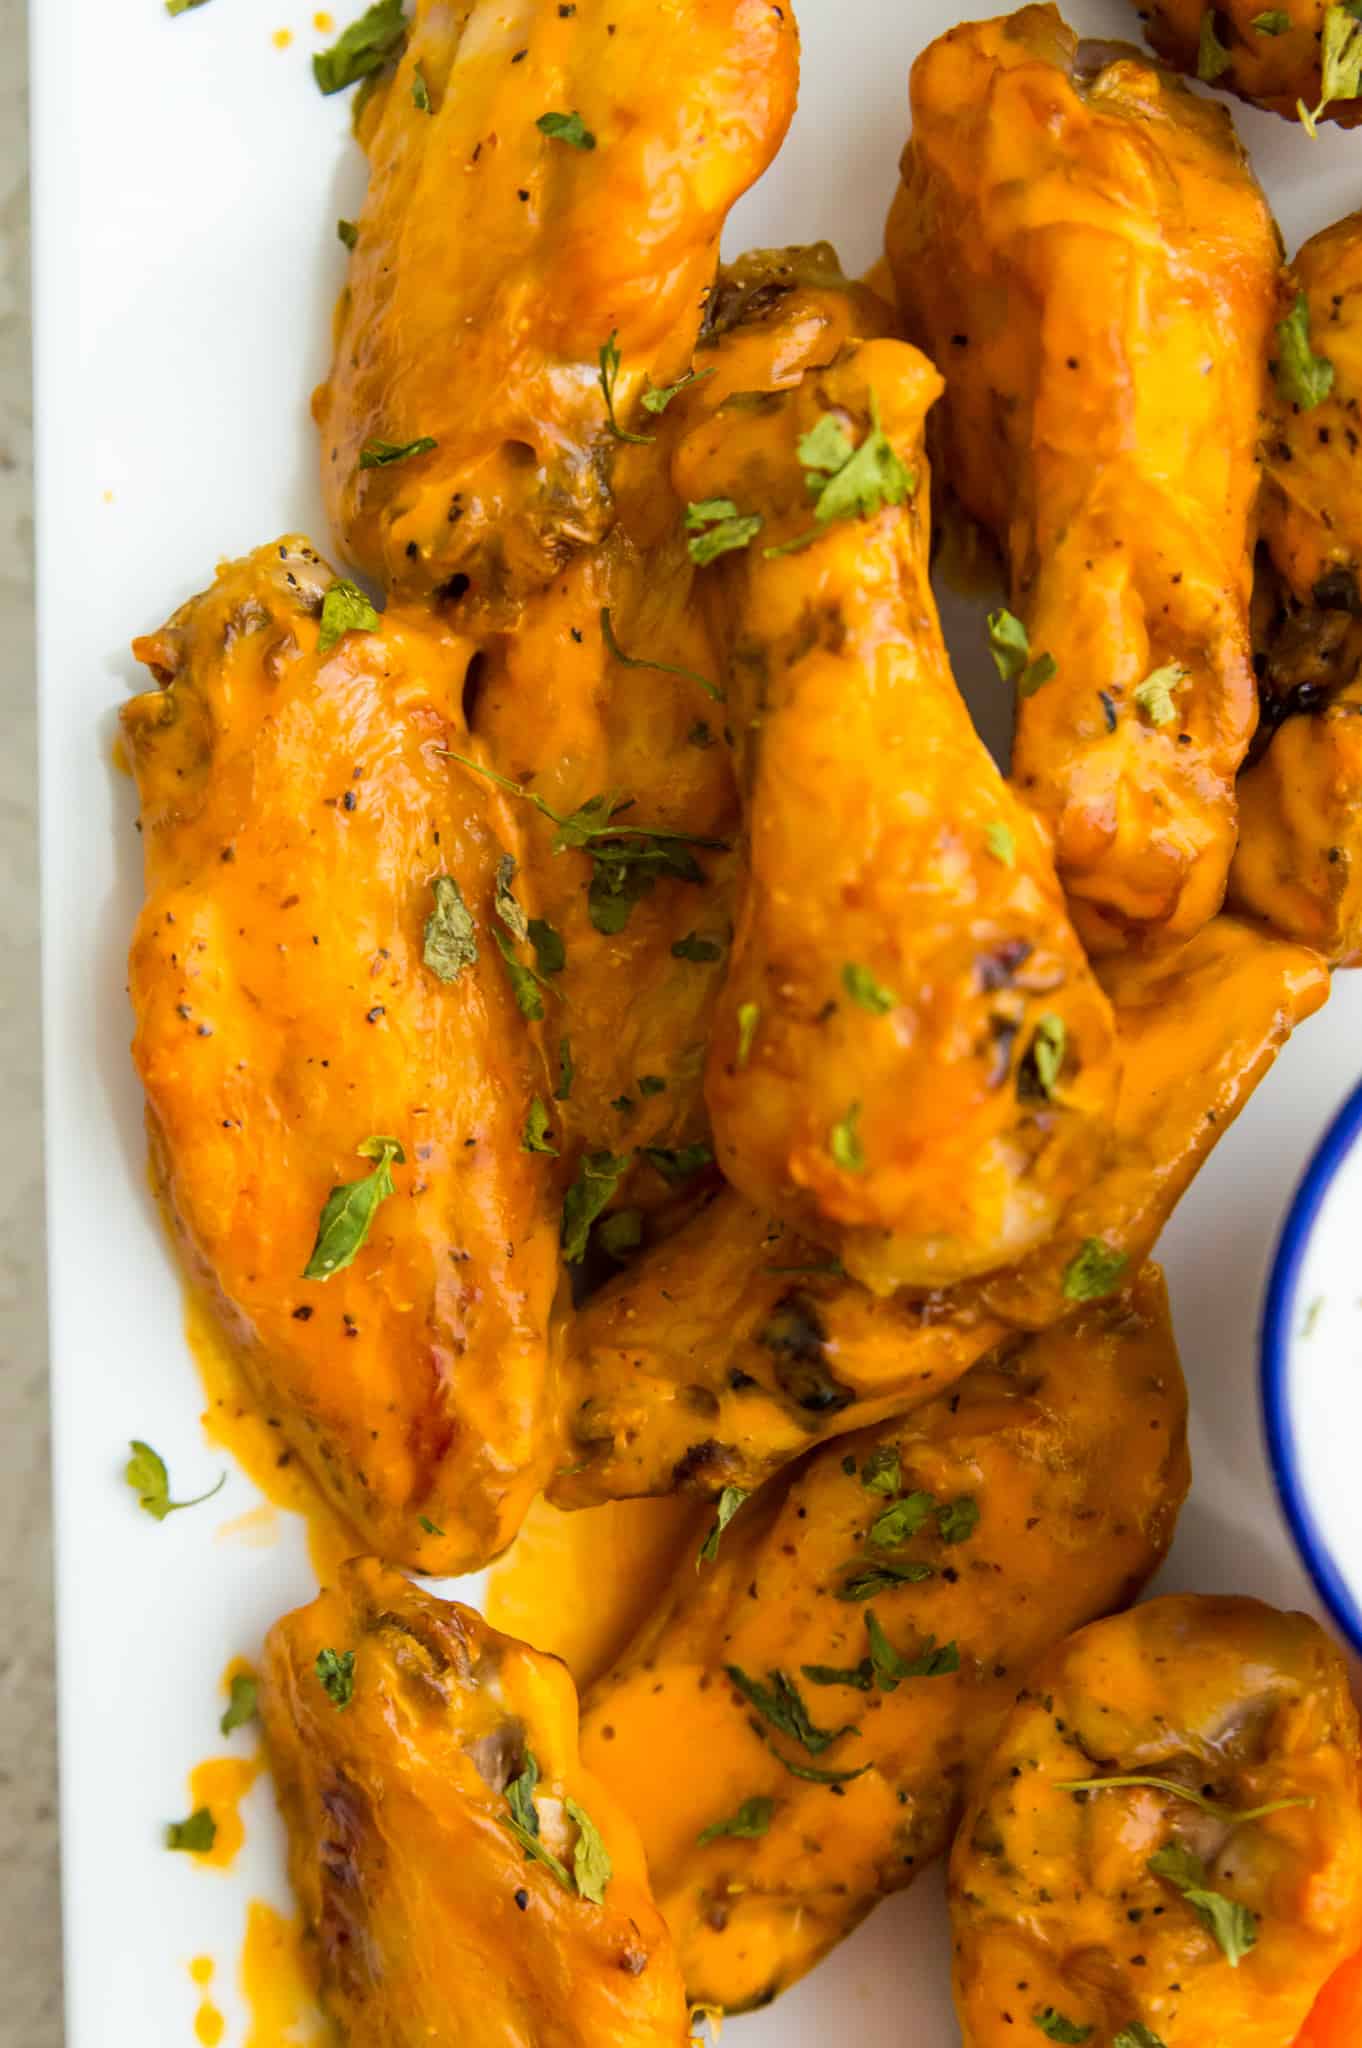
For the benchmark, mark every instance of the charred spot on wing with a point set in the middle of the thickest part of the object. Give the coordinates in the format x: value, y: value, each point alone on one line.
x: 1337, y: 590
x: 702, y: 1465
x: 795, y: 1335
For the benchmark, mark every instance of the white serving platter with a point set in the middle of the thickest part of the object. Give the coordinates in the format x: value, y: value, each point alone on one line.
x: 188, y: 177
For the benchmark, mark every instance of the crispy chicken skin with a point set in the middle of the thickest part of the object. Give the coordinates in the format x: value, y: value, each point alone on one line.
x: 435, y: 1929
x: 494, y: 262
x: 727, y: 1350
x: 923, y: 1121
x: 1277, y: 67
x: 1054, y: 1474
x: 1299, y: 861
x: 1087, y: 255
x: 1053, y: 1901
x: 295, y: 807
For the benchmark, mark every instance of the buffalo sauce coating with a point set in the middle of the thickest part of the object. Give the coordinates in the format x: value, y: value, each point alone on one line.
x: 296, y: 805
x: 1299, y: 860
x: 1270, y: 56
x: 1053, y: 1903
x: 1043, y: 1491
x: 867, y: 1079
x: 1084, y: 250
x: 430, y: 1917
x: 734, y: 1345
x: 494, y: 262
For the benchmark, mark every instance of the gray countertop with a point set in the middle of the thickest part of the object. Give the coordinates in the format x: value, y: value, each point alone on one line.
x: 30, y: 1932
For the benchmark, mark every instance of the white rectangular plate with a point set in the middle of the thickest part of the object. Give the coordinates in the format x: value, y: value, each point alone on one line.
x: 188, y: 178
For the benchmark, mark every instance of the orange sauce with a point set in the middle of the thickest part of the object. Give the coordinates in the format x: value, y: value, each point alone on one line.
x: 579, y: 1585
x: 221, y: 1783
x: 208, y: 2021
x: 279, y: 1983
x: 233, y: 1420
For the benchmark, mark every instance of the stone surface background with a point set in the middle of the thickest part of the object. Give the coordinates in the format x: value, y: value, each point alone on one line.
x: 30, y: 1927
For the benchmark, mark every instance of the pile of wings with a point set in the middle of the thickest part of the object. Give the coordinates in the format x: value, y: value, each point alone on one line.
x: 609, y: 1028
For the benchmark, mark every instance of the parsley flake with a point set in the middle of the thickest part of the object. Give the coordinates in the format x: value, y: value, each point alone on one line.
x: 716, y: 527
x: 846, y: 481
x: 899, y: 1523
x: 335, y: 1671
x: 678, y: 1164
x: 1232, y: 1924
x: 1154, y: 696
x: 241, y: 1703
x: 958, y: 1519
x: 345, y: 609
x: 1212, y: 58
x: 864, y: 990
x: 145, y: 1472
x: 729, y: 1501
x: 350, y: 1210
x: 197, y: 1834
x: 383, y: 454
x: 537, y: 1134
x: 620, y: 1233
x: 420, y: 92
x: 665, y: 668
x: 1274, y: 21
x: 450, y: 939
x: 363, y: 48
x: 347, y: 231
x: 568, y: 128
x: 751, y: 1821
x: 864, y: 1581
x: 566, y: 1071
x: 1039, y: 1071
x: 660, y: 396
x: 1011, y: 651
x: 749, y: 1016
x: 1093, y: 1271
x: 1137, y: 2035
x: 1229, y: 1816
x: 782, y: 1704
x: 598, y: 1176
x: 882, y: 1471
x: 591, y: 1865
x: 1056, y: 2027
x: 1340, y: 68
x: 1001, y: 842
x: 610, y: 359
x: 1303, y: 378
x: 523, y: 1821
x: 844, y: 1142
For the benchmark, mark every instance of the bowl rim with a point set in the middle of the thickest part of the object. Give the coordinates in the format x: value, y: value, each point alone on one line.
x: 1275, y: 1343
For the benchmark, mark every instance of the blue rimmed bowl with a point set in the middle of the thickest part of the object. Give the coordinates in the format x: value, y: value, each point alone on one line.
x: 1311, y: 1358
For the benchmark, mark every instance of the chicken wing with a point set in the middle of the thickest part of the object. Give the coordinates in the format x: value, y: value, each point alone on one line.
x: 466, y: 1880
x: 331, y: 1049
x: 1298, y: 60
x: 1165, y: 1843
x: 869, y: 1080
x: 547, y: 189
x: 1299, y: 860
x: 851, y: 1651
x: 736, y: 1345
x: 1081, y: 245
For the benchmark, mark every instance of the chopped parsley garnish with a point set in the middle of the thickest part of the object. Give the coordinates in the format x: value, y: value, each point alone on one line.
x: 182, y: 6
x: 661, y: 395
x: 620, y: 1233
x: 729, y: 1501
x: 550, y: 954
x: 782, y: 1704
x: 1011, y: 651
x: 591, y: 1865
x: 609, y: 359
x: 1274, y: 21
x: 1232, y: 1924
x: 847, y: 481
x: 864, y: 990
x: 751, y: 1821
x: 627, y: 859
x: 363, y: 48
x: 1137, y: 2035
x: 716, y: 527
x: 523, y: 1821
x: 1093, y: 1271
x: 196, y: 1834
x: 899, y: 1523
x: 665, y: 668
x: 958, y: 1519
x: 350, y: 1210
x: 1303, y: 378
x: 844, y: 1142
x: 347, y: 231
x: 1001, y: 842
x: 680, y: 1163
x: 345, y: 609
x: 335, y: 1671
x: 1340, y: 66
x: 884, y: 1667
x: 1044, y: 1057
x: 1154, y: 696
x: 1212, y: 58
x: 566, y: 1071
x: 598, y: 1176
x: 241, y: 1703
x: 525, y: 981
x: 537, y: 1134
x: 420, y: 92
x: 882, y: 1471
x: 749, y: 1016
x: 568, y: 128
x: 865, y: 1581
x: 383, y: 454
x: 431, y: 1528
x: 450, y: 940
x: 651, y: 1084
x: 145, y: 1472
x: 693, y: 947
x: 1230, y: 1816
x: 1056, y: 2027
